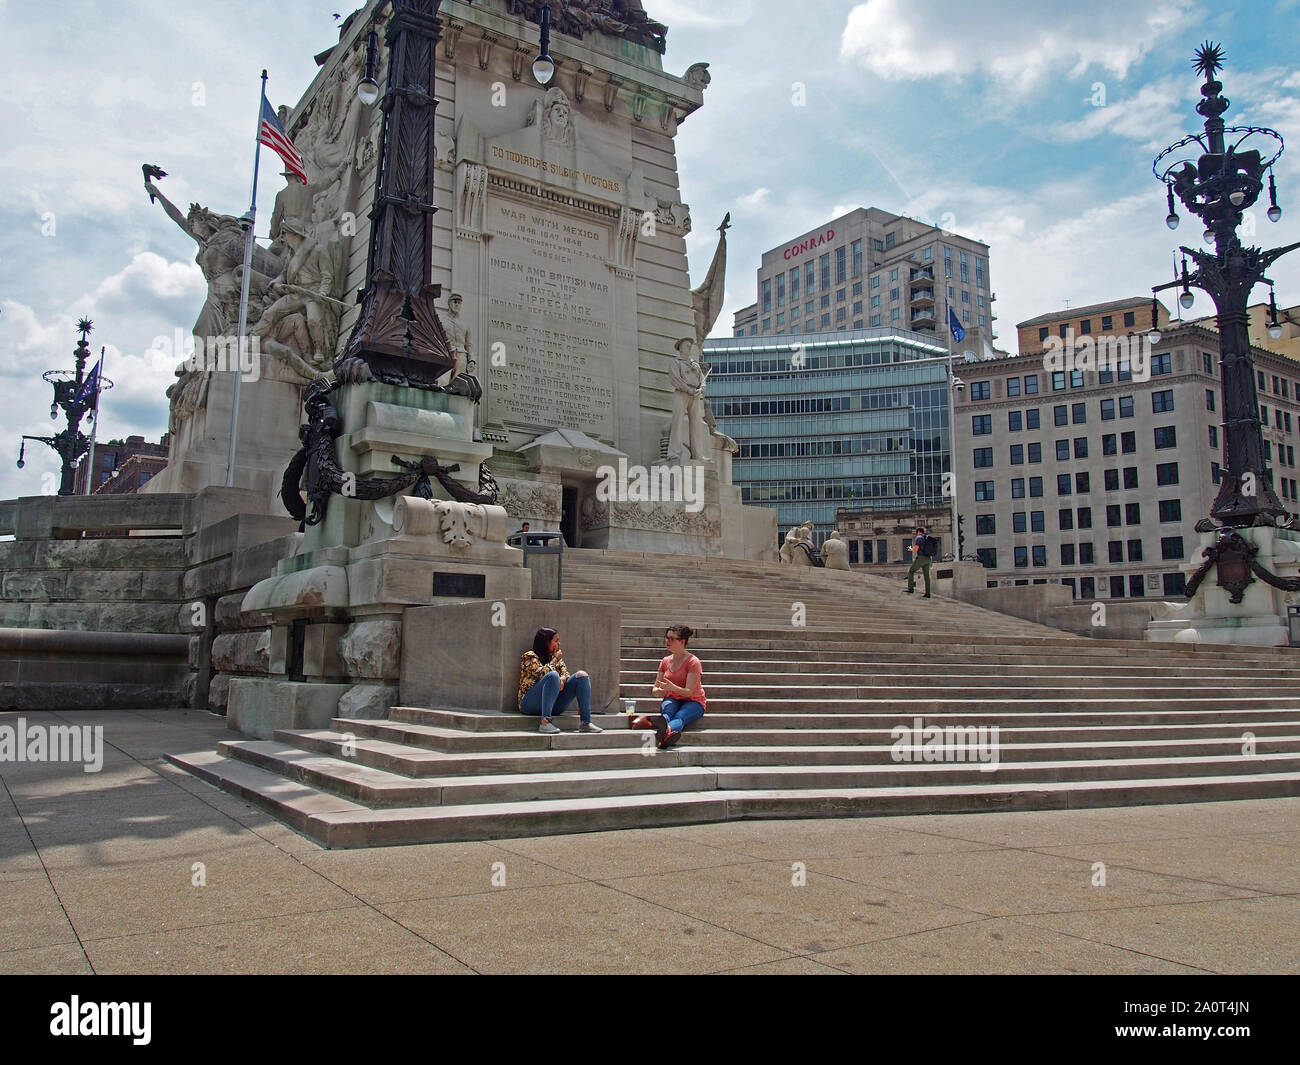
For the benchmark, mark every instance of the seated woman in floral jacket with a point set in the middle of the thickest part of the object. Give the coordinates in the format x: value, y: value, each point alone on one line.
x: 546, y: 688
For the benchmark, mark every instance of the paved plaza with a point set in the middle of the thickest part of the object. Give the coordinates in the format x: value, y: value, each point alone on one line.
x: 140, y: 868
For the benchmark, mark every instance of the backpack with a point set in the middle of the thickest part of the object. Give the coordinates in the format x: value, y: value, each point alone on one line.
x: 929, y: 547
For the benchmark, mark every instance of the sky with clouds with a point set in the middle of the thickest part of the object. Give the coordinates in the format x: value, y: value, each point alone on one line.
x: 1030, y: 127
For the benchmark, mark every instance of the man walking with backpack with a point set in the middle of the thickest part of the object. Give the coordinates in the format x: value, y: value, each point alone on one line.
x: 924, y: 549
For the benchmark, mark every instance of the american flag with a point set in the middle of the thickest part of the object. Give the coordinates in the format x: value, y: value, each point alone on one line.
x: 272, y: 134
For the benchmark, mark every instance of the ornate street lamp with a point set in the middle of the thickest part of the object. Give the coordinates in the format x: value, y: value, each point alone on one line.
x: 1218, y: 186
x: 78, y: 397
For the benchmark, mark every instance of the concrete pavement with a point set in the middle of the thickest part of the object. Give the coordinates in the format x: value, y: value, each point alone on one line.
x: 140, y: 868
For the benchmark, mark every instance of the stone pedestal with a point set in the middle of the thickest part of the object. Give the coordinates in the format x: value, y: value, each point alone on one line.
x: 1259, y: 620
x: 269, y: 413
x: 336, y: 608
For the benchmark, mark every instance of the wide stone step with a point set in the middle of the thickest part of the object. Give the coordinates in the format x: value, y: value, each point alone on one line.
x: 336, y: 822
x: 922, y: 705
x: 639, y: 666
x: 799, y: 691
x: 376, y: 787
x: 1285, y: 682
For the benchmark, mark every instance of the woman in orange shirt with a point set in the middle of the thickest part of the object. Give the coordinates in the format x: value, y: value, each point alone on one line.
x: 680, y: 683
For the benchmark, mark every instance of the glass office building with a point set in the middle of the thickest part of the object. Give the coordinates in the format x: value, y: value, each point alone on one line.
x: 825, y: 421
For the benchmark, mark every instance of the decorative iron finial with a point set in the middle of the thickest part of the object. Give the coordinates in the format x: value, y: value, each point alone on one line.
x: 84, y: 325
x: 1209, y: 59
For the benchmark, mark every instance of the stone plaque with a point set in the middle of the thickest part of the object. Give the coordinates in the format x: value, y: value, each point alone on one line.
x: 466, y: 585
x: 551, y: 303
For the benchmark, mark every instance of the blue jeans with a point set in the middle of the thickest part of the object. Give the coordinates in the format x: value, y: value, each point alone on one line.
x: 546, y: 699
x: 681, y: 712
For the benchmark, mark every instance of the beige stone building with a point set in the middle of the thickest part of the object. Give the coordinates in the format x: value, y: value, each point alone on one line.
x: 1093, y: 478
x: 878, y: 537
x: 872, y: 268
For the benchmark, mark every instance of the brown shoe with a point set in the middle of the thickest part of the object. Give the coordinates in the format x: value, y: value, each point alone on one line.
x: 661, y: 729
x: 670, y: 737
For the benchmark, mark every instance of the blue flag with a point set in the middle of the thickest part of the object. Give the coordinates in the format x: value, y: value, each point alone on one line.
x: 90, y: 386
x: 957, y: 331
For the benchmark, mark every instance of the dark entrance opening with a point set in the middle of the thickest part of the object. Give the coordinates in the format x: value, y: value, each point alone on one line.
x: 569, y: 515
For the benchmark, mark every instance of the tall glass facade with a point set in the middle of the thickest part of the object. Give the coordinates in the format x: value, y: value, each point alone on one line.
x: 828, y: 421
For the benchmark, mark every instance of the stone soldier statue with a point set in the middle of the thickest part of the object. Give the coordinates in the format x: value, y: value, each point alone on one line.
x: 688, y: 436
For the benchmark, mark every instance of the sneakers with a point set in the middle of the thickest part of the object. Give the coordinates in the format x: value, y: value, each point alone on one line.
x: 909, y: 591
x: 670, y: 737
x: 587, y: 726
x: 661, y: 729
x: 549, y: 728
x: 926, y: 596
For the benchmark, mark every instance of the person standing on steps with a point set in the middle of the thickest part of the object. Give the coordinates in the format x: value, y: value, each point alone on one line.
x: 545, y: 687
x: 680, y: 685
x: 924, y: 548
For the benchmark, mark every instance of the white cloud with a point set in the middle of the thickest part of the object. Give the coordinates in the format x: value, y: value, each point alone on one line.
x: 1018, y: 46
x: 756, y: 200
x: 1155, y: 116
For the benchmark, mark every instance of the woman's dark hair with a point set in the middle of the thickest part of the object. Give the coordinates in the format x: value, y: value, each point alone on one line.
x: 682, y: 632
x: 542, y: 644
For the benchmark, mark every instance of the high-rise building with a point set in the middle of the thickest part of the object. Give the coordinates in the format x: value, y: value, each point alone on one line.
x: 870, y: 268
x: 1091, y: 478
x: 831, y: 421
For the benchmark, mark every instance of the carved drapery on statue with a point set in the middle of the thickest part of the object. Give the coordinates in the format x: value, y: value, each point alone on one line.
x: 706, y: 302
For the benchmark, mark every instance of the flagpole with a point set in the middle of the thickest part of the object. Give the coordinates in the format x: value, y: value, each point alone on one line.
x: 94, y: 431
x: 251, y: 219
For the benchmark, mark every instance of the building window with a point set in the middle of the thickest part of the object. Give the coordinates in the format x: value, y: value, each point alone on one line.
x: 1132, y: 513
x: 1209, y: 399
x: 1015, y: 421
x: 767, y: 295
x: 1160, y: 364
x: 1082, y: 483
x: 1117, y: 585
x: 985, y: 524
x: 1087, y: 585
x: 875, y: 319
x: 1135, y: 550
x: 1127, y: 443
x: 1035, y: 452
x: 984, y: 491
x: 1062, y: 450
x: 1166, y: 436
x: 1080, y: 447
x: 1110, y: 480
x: 767, y: 324
x: 1065, y: 519
x: 1018, y: 522
x: 826, y: 319
x: 841, y: 265
x: 1085, y: 326
x: 1107, y: 410
x: 1017, y: 454
x: 1017, y: 488
x: 1130, y: 319
x: 1031, y: 384
x: 1175, y: 583
x: 981, y: 424
x: 1107, y: 322
x: 979, y: 390
x: 1115, y: 550
x: 1035, y: 487
x: 1013, y: 386
x: 824, y: 263
x: 1058, y: 380
x: 1076, y: 378
x: 1110, y: 444
x: 1062, y: 484
x: 1126, y: 406
x: 988, y: 557
x: 1112, y: 516
x: 1166, y: 473
x: 875, y: 281
x: 1162, y: 402
x: 857, y: 258
x: 1085, y: 517
x: 1085, y: 556
x: 1067, y: 554
x: 1171, y: 510
x: 1037, y: 521
x: 1214, y: 435
x: 780, y: 290
x: 1022, y: 557
x: 1040, y: 555
x: 1061, y: 415
x: 1031, y: 418
x: 983, y: 458
x: 1078, y: 413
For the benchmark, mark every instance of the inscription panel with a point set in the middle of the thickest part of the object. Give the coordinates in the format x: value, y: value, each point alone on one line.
x: 551, y: 304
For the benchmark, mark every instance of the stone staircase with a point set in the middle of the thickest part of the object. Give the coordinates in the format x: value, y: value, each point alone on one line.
x: 802, y: 720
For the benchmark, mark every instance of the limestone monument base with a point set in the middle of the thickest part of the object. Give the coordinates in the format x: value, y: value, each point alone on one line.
x: 1259, y: 620
x: 336, y: 607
